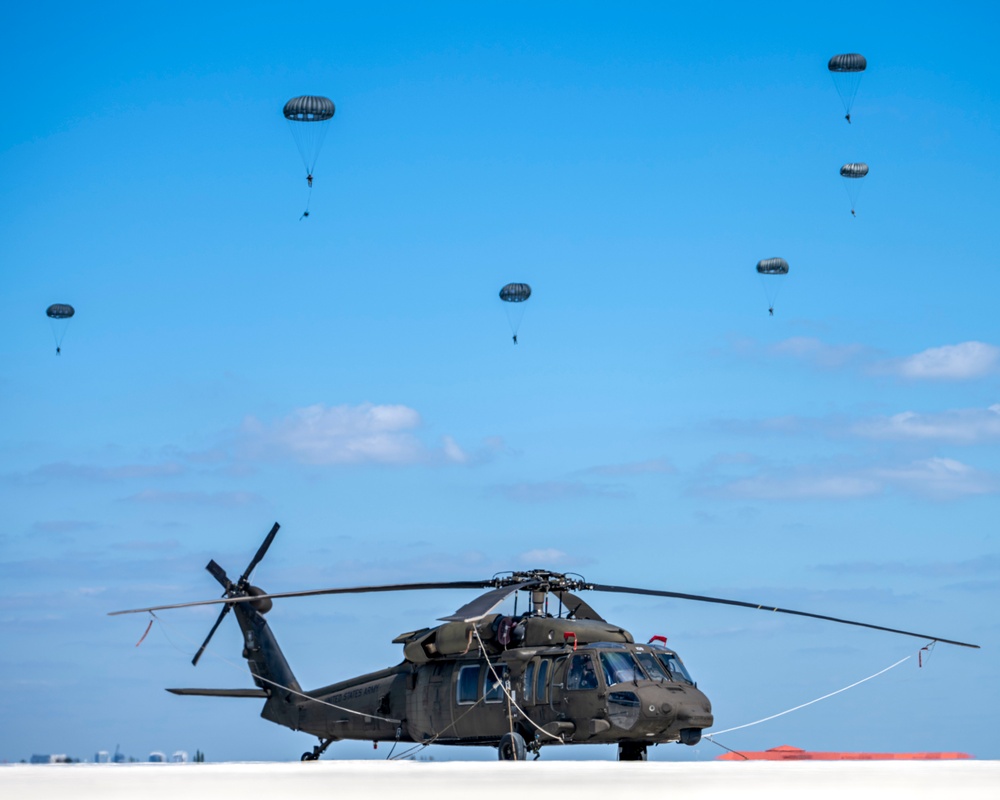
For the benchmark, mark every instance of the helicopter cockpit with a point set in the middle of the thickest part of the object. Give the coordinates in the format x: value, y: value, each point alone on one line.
x: 619, y: 664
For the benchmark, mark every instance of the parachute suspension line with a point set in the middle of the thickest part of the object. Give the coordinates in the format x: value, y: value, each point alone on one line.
x: 710, y: 736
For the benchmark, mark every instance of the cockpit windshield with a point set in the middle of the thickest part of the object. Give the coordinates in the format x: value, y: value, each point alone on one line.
x: 620, y: 667
x: 652, y: 667
x: 673, y: 665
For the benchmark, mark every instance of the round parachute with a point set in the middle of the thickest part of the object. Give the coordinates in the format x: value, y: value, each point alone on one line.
x: 854, y: 170
x: 515, y: 292
x: 772, y: 266
x: 769, y: 269
x: 309, y: 108
x: 846, y: 70
x: 308, y: 117
x: 513, y: 296
x: 848, y: 62
x: 59, y: 315
x: 851, y: 174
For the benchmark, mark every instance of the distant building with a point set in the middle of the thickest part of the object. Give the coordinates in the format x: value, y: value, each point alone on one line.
x: 788, y: 753
x: 102, y: 757
x: 156, y: 757
x: 50, y: 759
x: 179, y: 757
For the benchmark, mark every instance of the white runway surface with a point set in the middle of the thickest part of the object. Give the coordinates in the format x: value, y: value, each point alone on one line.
x: 581, y: 780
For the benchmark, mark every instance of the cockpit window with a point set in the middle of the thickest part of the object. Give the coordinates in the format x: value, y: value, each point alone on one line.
x: 675, y: 667
x: 619, y: 667
x: 652, y: 667
x: 581, y: 674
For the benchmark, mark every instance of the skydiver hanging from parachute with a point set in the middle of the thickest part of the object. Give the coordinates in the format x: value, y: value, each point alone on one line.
x: 308, y: 118
x: 846, y: 70
x: 59, y: 314
x: 769, y: 270
x: 852, y: 174
x: 514, y: 295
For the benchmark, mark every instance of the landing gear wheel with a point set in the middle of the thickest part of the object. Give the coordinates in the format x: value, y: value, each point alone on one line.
x: 512, y: 747
x: 317, y: 751
x: 631, y: 752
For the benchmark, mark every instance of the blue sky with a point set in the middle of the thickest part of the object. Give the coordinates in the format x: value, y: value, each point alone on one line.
x: 352, y: 375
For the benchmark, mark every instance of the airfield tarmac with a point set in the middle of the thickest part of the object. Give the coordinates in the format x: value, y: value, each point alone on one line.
x: 581, y: 780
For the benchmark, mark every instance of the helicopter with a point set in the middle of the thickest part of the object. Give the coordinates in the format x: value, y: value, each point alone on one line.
x: 556, y: 674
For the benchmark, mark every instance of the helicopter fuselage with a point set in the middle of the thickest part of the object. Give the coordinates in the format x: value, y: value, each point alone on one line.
x: 553, y: 680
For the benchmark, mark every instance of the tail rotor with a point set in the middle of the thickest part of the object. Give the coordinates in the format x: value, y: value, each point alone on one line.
x: 241, y: 588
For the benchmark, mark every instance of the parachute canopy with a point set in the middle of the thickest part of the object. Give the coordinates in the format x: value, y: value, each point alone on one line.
x: 60, y: 311
x: 854, y: 170
x: 848, y: 62
x: 308, y: 117
x: 309, y: 108
x: 772, y: 266
x: 515, y: 292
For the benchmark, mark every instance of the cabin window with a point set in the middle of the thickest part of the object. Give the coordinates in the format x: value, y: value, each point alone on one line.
x: 529, y: 682
x: 581, y: 673
x: 542, y: 682
x: 468, y: 684
x: 493, y: 690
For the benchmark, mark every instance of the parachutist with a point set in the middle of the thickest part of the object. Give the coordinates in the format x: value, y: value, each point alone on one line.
x: 304, y: 215
x: 58, y: 351
x: 515, y: 338
x: 853, y: 214
x: 771, y: 311
x: 309, y: 180
x: 848, y: 118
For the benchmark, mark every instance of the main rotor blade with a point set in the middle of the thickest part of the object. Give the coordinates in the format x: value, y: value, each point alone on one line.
x: 261, y: 551
x: 211, y: 633
x: 579, y: 608
x: 396, y: 587
x: 703, y: 599
x: 485, y: 603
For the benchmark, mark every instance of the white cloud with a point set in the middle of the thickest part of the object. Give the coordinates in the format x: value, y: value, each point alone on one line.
x: 544, y: 555
x: 802, y: 487
x: 940, y: 478
x: 223, y: 499
x: 964, y: 426
x: 819, y: 354
x: 653, y: 465
x: 554, y: 491
x: 933, y: 478
x: 951, y: 362
x: 366, y: 433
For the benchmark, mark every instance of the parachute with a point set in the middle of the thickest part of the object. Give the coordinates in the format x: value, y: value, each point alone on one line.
x: 308, y: 117
x: 513, y: 296
x: 770, y: 269
x: 59, y: 315
x: 852, y: 173
x: 846, y: 70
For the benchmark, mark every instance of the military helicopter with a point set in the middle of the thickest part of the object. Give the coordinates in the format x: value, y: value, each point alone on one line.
x: 546, y: 676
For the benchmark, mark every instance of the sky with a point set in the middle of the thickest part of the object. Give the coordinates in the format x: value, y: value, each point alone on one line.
x: 352, y: 375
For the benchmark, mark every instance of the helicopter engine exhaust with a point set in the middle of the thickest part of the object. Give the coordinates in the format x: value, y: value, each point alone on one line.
x: 264, y: 604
